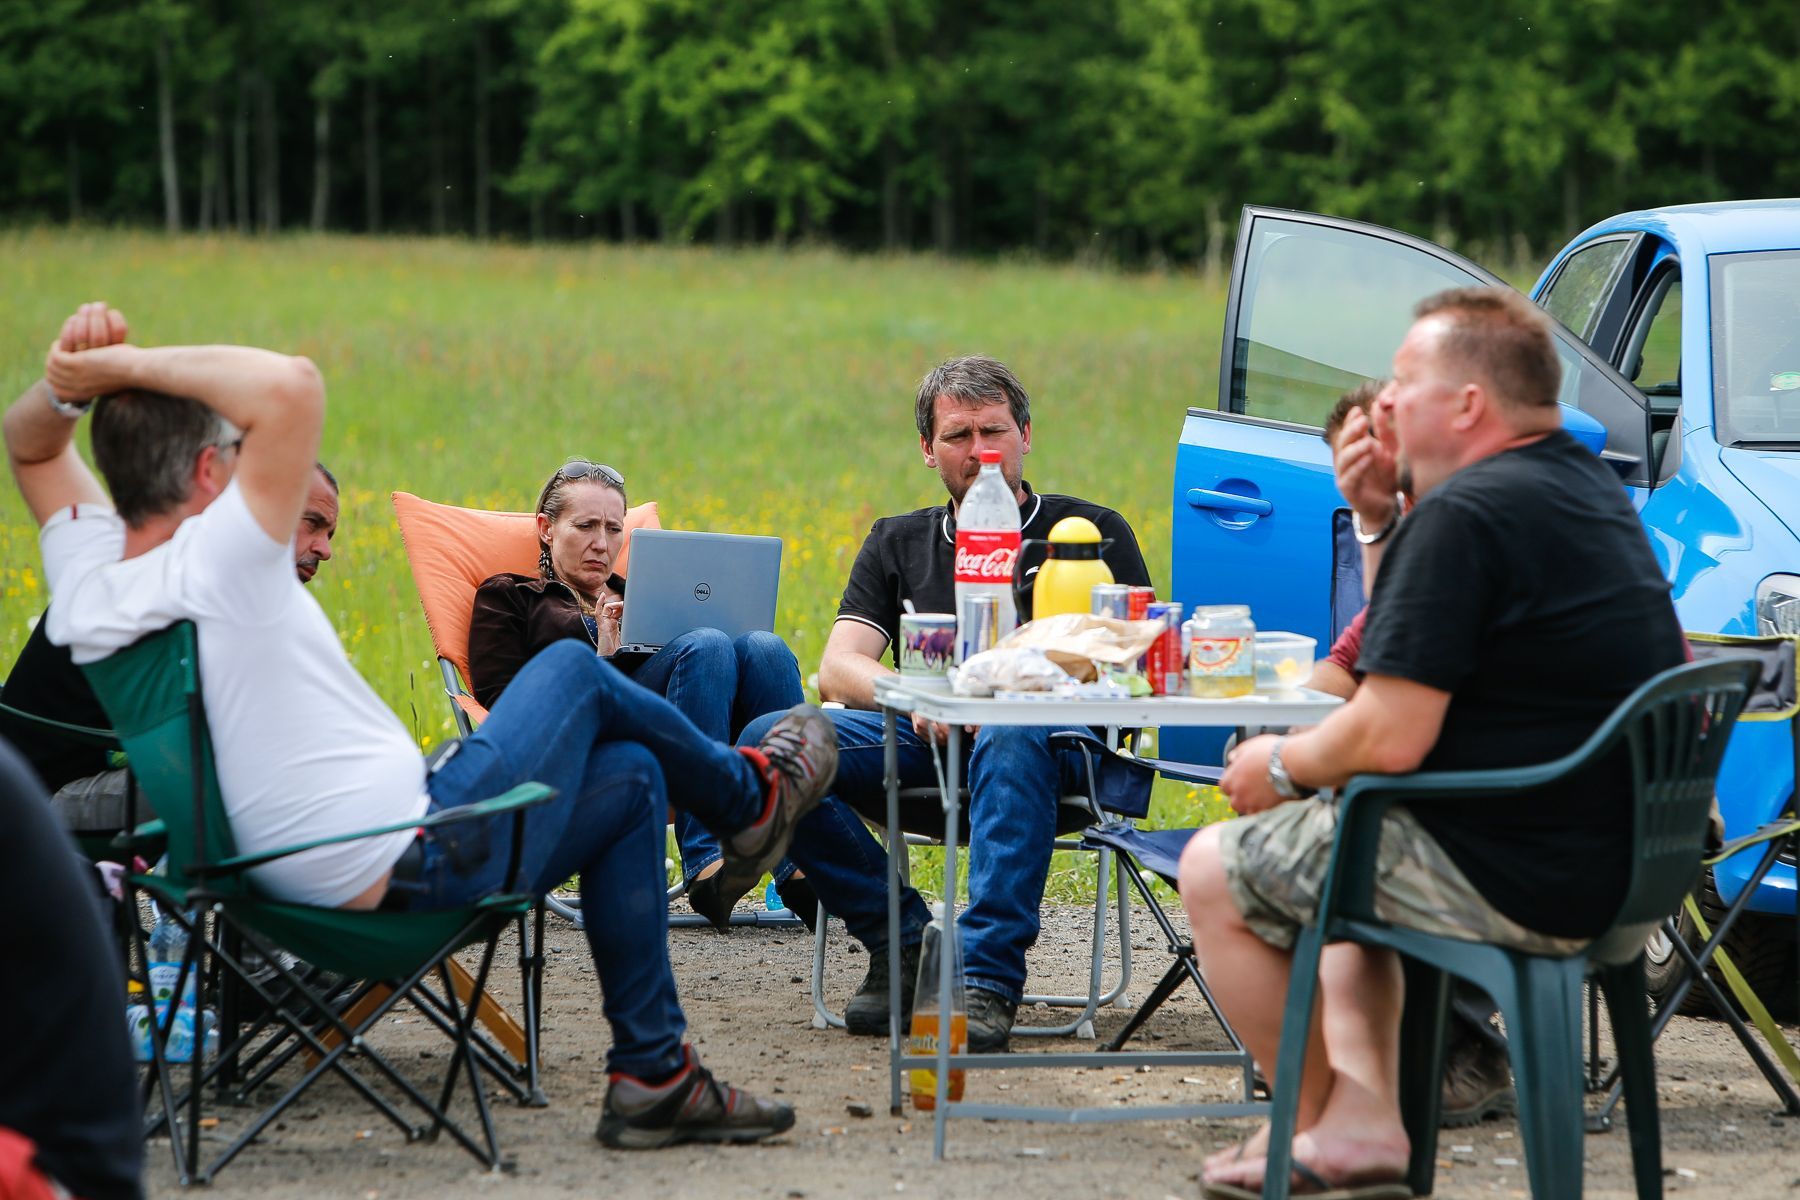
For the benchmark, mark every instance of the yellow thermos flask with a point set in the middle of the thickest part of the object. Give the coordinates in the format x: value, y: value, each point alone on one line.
x: 1072, y: 566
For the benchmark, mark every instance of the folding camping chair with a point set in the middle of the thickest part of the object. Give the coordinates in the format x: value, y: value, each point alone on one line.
x: 151, y: 691
x: 1672, y: 731
x: 1775, y: 697
x: 451, y: 551
x: 1105, y: 784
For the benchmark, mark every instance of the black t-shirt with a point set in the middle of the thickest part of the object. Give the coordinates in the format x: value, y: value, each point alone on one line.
x: 46, y: 683
x: 66, y: 1077
x: 912, y: 557
x: 1524, y: 586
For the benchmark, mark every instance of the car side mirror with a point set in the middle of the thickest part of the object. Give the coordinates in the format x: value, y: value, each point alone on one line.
x: 1584, y: 428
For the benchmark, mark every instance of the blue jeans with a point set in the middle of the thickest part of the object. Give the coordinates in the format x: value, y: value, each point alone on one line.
x: 1014, y: 780
x: 719, y: 684
x: 618, y: 755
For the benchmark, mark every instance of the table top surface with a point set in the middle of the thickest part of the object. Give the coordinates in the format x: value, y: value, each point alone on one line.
x: 1299, y: 706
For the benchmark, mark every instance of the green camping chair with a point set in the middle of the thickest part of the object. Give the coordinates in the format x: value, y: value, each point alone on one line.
x: 1673, y: 731
x: 151, y: 691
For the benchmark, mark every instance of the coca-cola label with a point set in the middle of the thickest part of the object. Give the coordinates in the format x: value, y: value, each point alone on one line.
x: 986, y: 555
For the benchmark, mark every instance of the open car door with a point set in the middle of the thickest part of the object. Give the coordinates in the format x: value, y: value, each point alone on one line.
x: 1317, y: 304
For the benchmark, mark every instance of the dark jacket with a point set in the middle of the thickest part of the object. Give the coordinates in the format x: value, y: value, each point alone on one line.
x: 515, y: 617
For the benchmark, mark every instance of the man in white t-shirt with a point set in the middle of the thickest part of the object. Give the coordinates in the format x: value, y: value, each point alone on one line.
x: 208, y: 451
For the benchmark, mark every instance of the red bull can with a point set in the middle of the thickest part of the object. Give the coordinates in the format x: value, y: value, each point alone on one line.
x: 977, y: 625
x: 1163, y: 663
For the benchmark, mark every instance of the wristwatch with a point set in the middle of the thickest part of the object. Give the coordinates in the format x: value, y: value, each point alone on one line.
x: 72, y: 409
x: 1369, y: 539
x: 1281, y: 781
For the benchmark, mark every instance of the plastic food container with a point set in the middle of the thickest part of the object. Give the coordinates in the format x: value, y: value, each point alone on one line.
x: 1283, y: 660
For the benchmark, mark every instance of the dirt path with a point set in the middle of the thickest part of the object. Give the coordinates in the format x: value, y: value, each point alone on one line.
x: 746, y: 999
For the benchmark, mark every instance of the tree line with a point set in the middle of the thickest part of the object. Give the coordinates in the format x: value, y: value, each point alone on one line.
x: 1123, y: 130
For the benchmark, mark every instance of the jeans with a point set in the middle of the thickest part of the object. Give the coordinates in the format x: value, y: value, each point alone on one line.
x: 1014, y: 780
x: 618, y: 755
x: 719, y: 684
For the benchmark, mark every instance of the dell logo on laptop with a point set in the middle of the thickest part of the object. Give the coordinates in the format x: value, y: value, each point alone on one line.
x: 702, y: 592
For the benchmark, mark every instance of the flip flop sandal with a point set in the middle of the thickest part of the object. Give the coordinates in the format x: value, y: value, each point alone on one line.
x: 1313, y: 1187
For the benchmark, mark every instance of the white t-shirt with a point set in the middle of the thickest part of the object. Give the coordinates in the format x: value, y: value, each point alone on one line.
x: 304, y: 748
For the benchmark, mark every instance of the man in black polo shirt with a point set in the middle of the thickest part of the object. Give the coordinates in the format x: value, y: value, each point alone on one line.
x: 86, y: 790
x: 962, y: 407
x: 1517, y: 605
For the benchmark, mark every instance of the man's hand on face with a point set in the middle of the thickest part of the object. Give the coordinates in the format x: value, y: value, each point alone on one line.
x: 1246, y: 780
x: 1367, y: 471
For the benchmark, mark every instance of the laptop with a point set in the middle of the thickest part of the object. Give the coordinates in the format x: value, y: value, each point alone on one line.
x: 682, y: 581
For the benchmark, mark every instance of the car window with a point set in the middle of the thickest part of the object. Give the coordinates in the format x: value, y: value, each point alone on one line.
x: 1322, y: 310
x: 1599, y: 394
x: 1756, y: 347
x: 1575, y: 295
x: 1653, y: 355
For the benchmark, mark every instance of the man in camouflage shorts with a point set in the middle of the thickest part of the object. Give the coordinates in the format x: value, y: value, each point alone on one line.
x: 1516, y: 606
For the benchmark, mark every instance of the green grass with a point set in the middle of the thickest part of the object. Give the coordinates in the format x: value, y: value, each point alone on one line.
x: 753, y: 391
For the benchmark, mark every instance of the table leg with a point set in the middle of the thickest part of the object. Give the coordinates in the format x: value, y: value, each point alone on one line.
x: 890, y: 751
x: 947, y: 943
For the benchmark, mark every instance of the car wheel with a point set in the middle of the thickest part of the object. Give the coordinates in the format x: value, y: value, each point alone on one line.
x: 1761, y: 947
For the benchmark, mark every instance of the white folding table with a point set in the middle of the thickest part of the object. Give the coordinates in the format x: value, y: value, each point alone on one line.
x: 896, y: 697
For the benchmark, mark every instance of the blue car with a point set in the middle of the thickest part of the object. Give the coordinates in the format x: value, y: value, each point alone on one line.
x: 1680, y: 341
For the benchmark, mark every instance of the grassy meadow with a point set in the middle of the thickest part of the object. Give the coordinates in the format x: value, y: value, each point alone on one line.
x: 752, y: 392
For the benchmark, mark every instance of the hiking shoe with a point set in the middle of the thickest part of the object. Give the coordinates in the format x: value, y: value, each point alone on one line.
x: 867, y: 1013
x: 1477, y: 1085
x: 798, y: 758
x: 692, y: 1107
x: 990, y: 1021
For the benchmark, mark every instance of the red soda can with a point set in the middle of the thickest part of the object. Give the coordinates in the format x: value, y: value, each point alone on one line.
x: 1162, y: 663
x: 1138, y: 601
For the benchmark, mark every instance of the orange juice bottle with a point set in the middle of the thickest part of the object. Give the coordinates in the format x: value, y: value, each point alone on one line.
x: 927, y: 1022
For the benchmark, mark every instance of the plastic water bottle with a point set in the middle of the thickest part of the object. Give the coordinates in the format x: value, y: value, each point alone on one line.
x: 987, y: 546
x: 772, y: 900
x: 168, y: 947
x: 137, y: 1021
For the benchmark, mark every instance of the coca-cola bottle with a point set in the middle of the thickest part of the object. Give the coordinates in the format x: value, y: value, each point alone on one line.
x: 987, y: 544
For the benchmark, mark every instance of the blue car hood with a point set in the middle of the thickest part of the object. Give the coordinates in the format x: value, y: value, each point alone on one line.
x: 1773, y: 476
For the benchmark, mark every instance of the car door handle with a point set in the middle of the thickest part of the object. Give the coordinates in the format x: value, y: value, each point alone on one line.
x: 1229, y: 502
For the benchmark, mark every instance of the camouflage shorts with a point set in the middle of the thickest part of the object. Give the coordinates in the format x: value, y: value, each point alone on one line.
x: 1275, y: 865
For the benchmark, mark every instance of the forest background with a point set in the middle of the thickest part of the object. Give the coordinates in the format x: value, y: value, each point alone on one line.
x: 1123, y: 131
x: 715, y: 242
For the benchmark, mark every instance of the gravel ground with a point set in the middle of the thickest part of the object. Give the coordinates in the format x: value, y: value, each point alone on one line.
x: 748, y: 1011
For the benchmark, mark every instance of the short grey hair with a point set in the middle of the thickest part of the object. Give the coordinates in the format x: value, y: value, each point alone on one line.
x: 145, y: 444
x: 972, y: 379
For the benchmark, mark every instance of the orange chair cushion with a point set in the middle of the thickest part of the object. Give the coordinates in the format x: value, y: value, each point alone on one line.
x: 451, y: 550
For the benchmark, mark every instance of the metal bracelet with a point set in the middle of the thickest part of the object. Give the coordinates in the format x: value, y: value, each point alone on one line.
x: 68, y: 408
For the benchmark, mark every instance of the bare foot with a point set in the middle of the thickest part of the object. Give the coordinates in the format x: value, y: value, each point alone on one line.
x: 1341, y: 1157
x: 1254, y: 1146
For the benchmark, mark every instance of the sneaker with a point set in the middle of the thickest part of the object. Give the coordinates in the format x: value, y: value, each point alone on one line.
x: 798, y: 758
x: 990, y: 1021
x: 1477, y: 1085
x: 867, y: 1013
x: 692, y: 1107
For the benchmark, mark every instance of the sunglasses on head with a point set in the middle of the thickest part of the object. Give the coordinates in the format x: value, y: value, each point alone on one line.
x: 581, y: 468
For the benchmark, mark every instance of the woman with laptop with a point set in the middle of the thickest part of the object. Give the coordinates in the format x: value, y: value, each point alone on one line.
x: 718, y: 682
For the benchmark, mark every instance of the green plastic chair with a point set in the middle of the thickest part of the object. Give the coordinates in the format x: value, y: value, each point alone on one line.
x: 151, y: 692
x: 1673, y: 730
